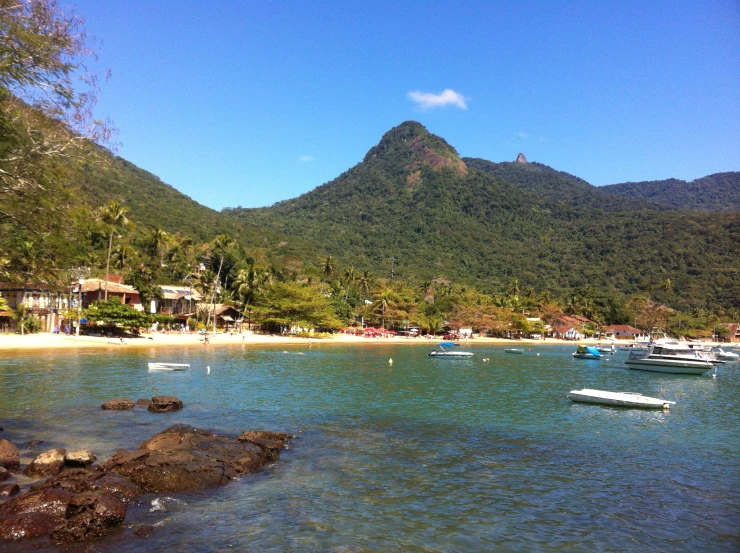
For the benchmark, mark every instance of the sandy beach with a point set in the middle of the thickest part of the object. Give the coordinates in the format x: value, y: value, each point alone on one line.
x: 52, y: 342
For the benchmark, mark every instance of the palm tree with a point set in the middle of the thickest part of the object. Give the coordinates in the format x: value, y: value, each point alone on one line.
x: 121, y: 254
x: 114, y: 214
x: 246, y: 286
x: 157, y: 240
x: 348, y: 279
x: 330, y: 266
x: 384, y: 301
x: 364, y: 282
x: 514, y: 289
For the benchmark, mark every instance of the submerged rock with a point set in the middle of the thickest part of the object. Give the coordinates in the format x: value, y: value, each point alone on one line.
x: 9, y: 457
x: 89, y: 515
x: 48, y: 463
x: 118, y: 404
x: 145, y: 403
x: 164, y: 404
x: 4, y: 474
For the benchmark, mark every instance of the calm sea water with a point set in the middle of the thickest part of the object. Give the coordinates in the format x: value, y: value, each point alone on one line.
x: 424, y: 455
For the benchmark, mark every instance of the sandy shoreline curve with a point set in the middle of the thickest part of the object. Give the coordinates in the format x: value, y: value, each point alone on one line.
x: 39, y: 343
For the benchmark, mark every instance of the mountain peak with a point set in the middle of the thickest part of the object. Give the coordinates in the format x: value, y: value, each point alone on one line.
x: 411, y: 147
x: 520, y: 158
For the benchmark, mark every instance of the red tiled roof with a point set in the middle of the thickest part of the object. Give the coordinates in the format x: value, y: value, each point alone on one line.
x: 95, y: 284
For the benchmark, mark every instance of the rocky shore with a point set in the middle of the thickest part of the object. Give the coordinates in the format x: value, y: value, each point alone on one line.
x: 73, y: 501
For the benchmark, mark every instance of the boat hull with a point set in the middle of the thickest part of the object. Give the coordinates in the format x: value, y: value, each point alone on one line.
x: 663, y: 366
x: 451, y: 354
x: 619, y: 399
x: 586, y: 356
x: 168, y: 366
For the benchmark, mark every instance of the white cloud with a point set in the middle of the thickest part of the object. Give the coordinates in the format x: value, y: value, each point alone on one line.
x: 305, y: 158
x: 522, y: 134
x: 429, y: 100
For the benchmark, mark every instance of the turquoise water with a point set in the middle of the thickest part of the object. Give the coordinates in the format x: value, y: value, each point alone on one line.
x: 422, y: 455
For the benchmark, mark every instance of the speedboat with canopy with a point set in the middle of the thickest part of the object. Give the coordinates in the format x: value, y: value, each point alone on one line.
x: 586, y: 352
x: 446, y: 350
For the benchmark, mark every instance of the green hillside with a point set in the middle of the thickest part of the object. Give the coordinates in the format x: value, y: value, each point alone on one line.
x: 413, y: 200
x: 557, y: 186
x: 719, y: 192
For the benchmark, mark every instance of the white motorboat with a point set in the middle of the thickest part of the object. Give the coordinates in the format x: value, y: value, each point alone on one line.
x: 445, y: 351
x: 672, y: 359
x: 620, y: 399
x: 606, y: 349
x: 723, y: 354
x: 168, y: 366
x: 514, y: 350
x: 586, y: 352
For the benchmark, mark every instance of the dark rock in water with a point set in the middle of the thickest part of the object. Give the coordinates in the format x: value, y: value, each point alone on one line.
x: 145, y: 403
x: 31, y: 525
x: 81, y: 458
x: 34, y: 443
x: 9, y: 457
x: 118, y: 404
x: 183, y: 458
x: 163, y: 404
x: 270, y: 442
x: 48, y: 463
x: 144, y: 531
x: 81, y: 480
x: 33, y: 514
x: 82, y: 504
x: 6, y: 490
x: 90, y: 515
x: 4, y: 474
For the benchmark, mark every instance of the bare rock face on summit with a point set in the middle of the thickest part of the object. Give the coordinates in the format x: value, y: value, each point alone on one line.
x: 521, y: 159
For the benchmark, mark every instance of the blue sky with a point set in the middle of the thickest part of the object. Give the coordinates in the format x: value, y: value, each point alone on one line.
x: 249, y: 103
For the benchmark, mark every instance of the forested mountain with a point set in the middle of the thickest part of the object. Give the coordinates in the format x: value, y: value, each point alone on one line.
x: 414, y: 203
x: 155, y: 204
x: 557, y: 186
x: 719, y: 192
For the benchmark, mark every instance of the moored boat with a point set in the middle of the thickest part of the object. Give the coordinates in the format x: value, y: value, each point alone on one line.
x: 168, y: 366
x: 723, y: 354
x: 513, y: 350
x: 445, y: 350
x: 619, y: 399
x: 586, y: 352
x: 672, y: 359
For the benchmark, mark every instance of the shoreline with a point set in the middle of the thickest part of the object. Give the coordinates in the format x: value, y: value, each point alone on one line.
x: 40, y: 343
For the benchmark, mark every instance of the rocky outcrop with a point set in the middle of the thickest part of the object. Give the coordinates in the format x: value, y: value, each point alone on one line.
x: 4, y: 474
x: 164, y: 404
x: 7, y: 490
x: 81, y: 458
x: 521, y: 159
x: 118, y: 404
x: 145, y: 403
x: 9, y: 457
x: 89, y: 515
x: 82, y: 504
x: 48, y: 463
x: 183, y: 458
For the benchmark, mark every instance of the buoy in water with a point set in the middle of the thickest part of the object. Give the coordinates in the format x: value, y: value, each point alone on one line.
x: 208, y: 369
x: 390, y: 361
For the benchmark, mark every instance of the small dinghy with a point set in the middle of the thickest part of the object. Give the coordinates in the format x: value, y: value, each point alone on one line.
x: 446, y: 351
x: 514, y: 350
x: 619, y: 399
x: 168, y: 366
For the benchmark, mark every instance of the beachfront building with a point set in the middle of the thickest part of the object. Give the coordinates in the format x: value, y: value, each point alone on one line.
x: 41, y: 301
x: 94, y: 289
x: 571, y: 327
x: 623, y: 332
x: 734, y: 335
x: 227, y: 317
x: 177, y: 301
